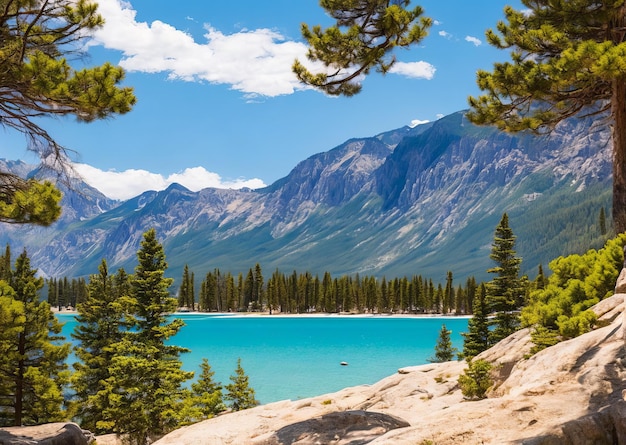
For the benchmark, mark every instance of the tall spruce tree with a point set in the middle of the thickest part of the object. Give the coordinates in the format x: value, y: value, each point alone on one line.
x: 444, y: 351
x: 602, y: 222
x: 257, y: 289
x: 239, y: 392
x: 12, y: 319
x: 477, y: 339
x: 100, y: 324
x: 448, y: 298
x: 540, y: 281
x: 5, y: 265
x: 207, y: 393
x: 185, y: 292
x: 145, y: 388
x: 505, y: 292
x: 34, y: 372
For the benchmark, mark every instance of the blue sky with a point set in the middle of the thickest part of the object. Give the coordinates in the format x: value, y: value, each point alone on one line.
x: 218, y: 105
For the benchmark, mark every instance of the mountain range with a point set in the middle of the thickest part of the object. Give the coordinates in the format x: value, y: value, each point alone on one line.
x: 422, y: 200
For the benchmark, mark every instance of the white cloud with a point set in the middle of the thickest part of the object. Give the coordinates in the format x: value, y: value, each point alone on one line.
x: 130, y: 183
x: 415, y: 122
x: 445, y: 34
x: 253, y: 62
x: 474, y: 40
x: 420, y: 70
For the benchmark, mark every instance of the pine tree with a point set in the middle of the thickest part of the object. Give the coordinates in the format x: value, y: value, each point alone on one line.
x: 602, y: 222
x: 383, y: 297
x: 248, y: 291
x: 542, y: 338
x: 444, y: 352
x: 35, y: 372
x: 100, y: 324
x: 145, y: 388
x: 448, y: 297
x: 5, y: 265
x: 373, y: 28
x: 185, y: 293
x: 540, y: 281
x: 208, y: 293
x: 471, y: 292
x: 257, y: 288
x: 232, y: 297
x: 460, y: 302
x: 207, y: 393
x: 477, y: 339
x: 476, y: 380
x: 192, y: 291
x: 12, y: 320
x: 438, y: 299
x: 121, y: 283
x: 566, y: 60
x: 38, y: 39
x: 505, y: 292
x: 239, y: 392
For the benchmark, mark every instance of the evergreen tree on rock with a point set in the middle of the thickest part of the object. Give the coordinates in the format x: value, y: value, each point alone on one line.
x: 506, y: 291
x: 145, y: 388
x: 444, y: 352
x: 476, y: 340
x: 239, y: 392
x: 205, y: 400
x: 100, y: 324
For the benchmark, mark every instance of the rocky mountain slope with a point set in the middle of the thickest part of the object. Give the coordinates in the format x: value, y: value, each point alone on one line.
x: 569, y: 394
x: 420, y: 200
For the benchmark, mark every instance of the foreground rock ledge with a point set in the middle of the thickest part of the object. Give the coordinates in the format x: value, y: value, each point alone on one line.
x: 48, y: 434
x: 569, y: 394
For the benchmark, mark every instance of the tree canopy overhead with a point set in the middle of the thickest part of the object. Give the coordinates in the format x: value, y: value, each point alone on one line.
x: 36, y: 80
x: 366, y: 31
x: 568, y: 58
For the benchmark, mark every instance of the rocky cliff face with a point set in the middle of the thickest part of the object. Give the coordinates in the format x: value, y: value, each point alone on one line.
x: 394, y: 204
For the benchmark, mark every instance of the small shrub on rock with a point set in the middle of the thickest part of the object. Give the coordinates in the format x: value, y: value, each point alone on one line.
x: 476, y: 379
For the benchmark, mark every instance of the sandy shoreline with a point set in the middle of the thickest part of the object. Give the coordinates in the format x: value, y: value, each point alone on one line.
x: 316, y: 315
x: 281, y: 315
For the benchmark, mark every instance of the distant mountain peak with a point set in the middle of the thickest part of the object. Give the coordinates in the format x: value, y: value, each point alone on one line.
x: 421, y: 200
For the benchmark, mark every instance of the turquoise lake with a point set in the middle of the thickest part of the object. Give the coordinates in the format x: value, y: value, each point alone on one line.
x: 299, y: 357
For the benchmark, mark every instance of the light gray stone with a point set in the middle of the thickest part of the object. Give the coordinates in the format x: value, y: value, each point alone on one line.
x: 47, y: 434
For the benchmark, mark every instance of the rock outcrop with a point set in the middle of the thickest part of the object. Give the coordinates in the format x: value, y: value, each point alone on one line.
x: 48, y: 434
x: 570, y: 394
